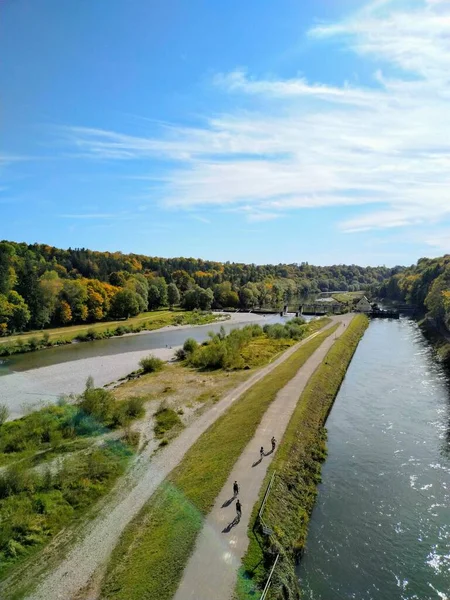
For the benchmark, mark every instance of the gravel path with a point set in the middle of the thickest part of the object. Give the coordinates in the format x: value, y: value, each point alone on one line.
x: 97, y: 538
x: 213, y: 567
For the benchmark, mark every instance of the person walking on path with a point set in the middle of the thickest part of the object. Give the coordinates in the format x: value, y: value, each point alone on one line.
x: 238, y: 509
x: 274, y: 441
x: 235, y: 489
x: 261, y: 452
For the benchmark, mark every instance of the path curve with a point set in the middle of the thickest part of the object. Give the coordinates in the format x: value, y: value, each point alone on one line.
x: 213, y: 567
x: 98, y: 537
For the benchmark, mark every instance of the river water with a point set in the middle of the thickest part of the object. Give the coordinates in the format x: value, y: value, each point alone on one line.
x: 27, y: 381
x: 381, y: 526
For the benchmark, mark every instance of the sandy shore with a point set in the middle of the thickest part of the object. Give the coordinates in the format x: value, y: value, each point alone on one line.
x: 28, y: 390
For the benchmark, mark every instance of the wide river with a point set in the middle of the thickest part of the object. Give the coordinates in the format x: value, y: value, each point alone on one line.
x: 381, y: 526
x: 29, y: 380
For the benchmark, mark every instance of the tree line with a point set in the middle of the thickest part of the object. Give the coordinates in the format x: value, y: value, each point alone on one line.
x: 426, y: 285
x: 43, y: 286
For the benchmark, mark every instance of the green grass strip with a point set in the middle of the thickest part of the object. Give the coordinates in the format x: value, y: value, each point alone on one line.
x: 150, y: 557
x: 297, y: 463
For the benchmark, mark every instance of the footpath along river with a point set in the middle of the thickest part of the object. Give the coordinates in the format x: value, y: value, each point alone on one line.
x: 28, y: 380
x: 381, y: 526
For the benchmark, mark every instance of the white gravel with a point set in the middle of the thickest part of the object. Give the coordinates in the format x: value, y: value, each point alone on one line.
x: 27, y: 390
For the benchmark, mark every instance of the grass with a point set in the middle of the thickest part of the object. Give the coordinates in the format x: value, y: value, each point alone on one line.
x: 166, y: 419
x: 35, y: 506
x: 55, y: 428
x: 298, y: 465
x: 150, y: 557
x: 348, y: 297
x: 149, y: 321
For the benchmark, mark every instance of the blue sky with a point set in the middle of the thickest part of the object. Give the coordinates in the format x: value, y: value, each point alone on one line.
x: 253, y: 131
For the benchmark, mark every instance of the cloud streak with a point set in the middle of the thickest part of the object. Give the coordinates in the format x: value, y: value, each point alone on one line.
x: 385, y: 148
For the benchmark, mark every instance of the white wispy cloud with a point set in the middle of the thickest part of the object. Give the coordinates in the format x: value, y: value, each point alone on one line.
x: 311, y: 144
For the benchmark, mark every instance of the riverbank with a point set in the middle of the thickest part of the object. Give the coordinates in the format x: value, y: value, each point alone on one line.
x: 157, y: 320
x: 37, y: 380
x: 439, y: 337
x: 297, y: 467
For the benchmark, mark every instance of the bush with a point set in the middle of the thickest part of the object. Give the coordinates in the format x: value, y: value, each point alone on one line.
x: 135, y: 408
x: 166, y: 419
x: 98, y: 403
x: 190, y: 346
x: 151, y: 364
x: 4, y: 413
x: 180, y: 354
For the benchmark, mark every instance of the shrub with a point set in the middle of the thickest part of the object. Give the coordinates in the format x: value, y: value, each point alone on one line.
x: 151, y: 364
x: 190, y: 346
x: 135, y: 408
x: 4, y: 413
x: 33, y: 343
x: 166, y: 419
x: 180, y: 354
x: 98, y: 403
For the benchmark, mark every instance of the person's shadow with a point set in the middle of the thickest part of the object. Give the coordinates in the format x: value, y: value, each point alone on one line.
x: 230, y: 526
x: 228, y: 502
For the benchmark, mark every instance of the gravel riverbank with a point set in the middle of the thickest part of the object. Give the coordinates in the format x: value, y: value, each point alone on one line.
x: 28, y: 390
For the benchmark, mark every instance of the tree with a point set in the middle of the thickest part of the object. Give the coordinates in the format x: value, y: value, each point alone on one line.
x: 154, y: 297
x: 182, y: 280
x: 205, y: 299
x: 75, y: 293
x: 138, y: 283
x: 125, y: 304
x: 247, y: 297
x: 173, y: 295
x: 50, y: 286
x: 20, y: 315
x: 64, y: 312
x: 7, y: 273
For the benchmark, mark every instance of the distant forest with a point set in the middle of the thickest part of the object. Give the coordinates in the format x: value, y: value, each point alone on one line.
x: 426, y: 285
x: 42, y: 286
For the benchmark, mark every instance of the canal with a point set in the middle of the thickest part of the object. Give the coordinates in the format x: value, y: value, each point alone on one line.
x: 381, y: 526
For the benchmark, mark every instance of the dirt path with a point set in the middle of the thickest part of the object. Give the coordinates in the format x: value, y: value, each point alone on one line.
x: 98, y: 537
x: 212, y: 569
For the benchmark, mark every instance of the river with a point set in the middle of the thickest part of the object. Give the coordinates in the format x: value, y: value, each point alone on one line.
x: 27, y: 381
x: 381, y: 526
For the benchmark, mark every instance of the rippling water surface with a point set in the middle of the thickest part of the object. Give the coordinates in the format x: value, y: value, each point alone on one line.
x: 381, y: 526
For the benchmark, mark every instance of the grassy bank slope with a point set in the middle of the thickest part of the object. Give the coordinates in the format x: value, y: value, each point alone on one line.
x: 150, y: 558
x: 297, y: 465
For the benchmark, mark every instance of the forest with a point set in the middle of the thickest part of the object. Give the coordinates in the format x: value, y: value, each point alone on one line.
x: 43, y: 286
x: 426, y: 285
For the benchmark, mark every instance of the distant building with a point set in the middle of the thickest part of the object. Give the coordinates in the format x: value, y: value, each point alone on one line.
x: 363, y: 305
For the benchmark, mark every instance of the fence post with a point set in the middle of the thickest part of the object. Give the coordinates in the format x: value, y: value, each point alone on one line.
x: 266, y: 588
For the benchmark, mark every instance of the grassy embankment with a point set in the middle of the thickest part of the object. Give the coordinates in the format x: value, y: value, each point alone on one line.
x: 154, y: 549
x: 36, y: 503
x: 36, y: 340
x: 298, y: 466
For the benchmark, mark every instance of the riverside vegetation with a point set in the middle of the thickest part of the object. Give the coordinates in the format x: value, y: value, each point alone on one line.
x: 297, y: 464
x: 37, y: 503
x: 427, y: 286
x: 154, y: 549
x: 42, y: 286
x: 100, y: 331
